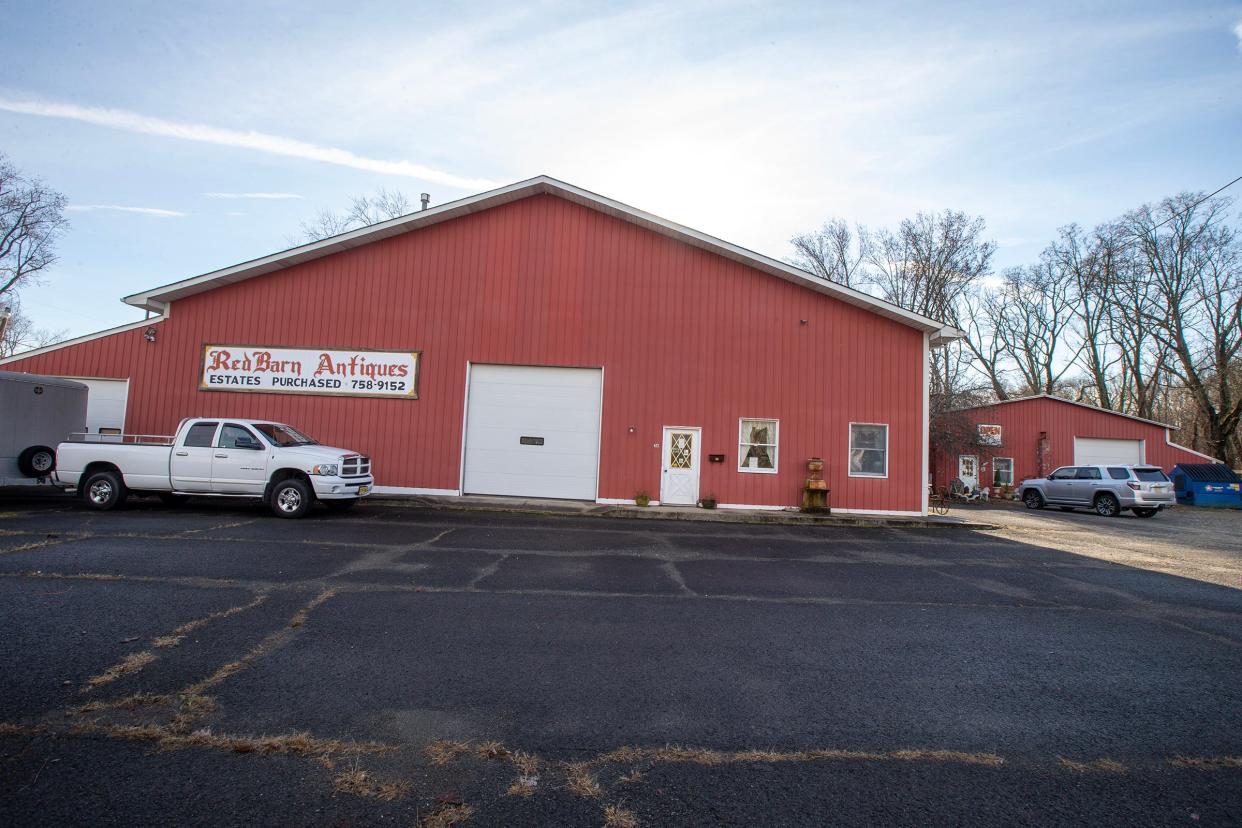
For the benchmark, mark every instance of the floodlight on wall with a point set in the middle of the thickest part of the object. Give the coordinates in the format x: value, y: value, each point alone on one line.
x: 149, y: 334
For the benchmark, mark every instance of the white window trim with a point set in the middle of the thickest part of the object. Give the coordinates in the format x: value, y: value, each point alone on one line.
x: 994, y: 459
x: 776, y: 445
x: 849, y: 446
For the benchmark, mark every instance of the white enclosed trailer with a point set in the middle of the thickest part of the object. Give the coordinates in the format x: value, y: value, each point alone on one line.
x: 36, y: 414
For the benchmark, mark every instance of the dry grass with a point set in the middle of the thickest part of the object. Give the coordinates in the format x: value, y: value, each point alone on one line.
x: 10, y: 729
x: 523, y: 786
x: 632, y: 778
x: 178, y: 635
x: 360, y: 783
x: 292, y: 744
x: 1206, y: 762
x: 299, y: 617
x: 130, y: 702
x: 1094, y: 766
x: 705, y: 756
x: 492, y: 750
x: 132, y: 663
x: 617, y: 817
x: 444, y: 751
x: 446, y: 816
x: 525, y: 762
x: 581, y: 782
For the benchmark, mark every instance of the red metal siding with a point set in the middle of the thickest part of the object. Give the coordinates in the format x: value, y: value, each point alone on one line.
x: 1024, y: 420
x: 685, y: 337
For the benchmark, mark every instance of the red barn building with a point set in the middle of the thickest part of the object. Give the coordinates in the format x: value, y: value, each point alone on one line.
x: 538, y: 340
x: 1029, y: 437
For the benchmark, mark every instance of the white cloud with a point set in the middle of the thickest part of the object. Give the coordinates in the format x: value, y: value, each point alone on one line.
x: 146, y: 211
x: 1237, y: 30
x: 260, y: 141
x: 273, y: 196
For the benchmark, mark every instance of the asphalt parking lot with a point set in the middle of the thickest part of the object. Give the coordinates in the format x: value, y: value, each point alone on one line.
x: 212, y: 665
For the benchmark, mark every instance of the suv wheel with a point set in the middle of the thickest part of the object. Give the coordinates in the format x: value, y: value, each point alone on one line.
x: 1107, y: 505
x: 1033, y: 499
x: 291, y: 498
x: 1144, y: 513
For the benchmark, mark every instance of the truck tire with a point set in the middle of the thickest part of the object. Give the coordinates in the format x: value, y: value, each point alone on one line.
x: 104, y: 490
x: 291, y: 498
x: 37, y: 461
x: 1033, y: 499
x: 1107, y: 505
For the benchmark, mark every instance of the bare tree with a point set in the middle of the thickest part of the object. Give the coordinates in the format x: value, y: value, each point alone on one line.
x: 980, y: 316
x: 365, y: 210
x: 31, y: 222
x: 20, y: 334
x: 1037, y: 304
x: 833, y: 252
x: 1194, y: 265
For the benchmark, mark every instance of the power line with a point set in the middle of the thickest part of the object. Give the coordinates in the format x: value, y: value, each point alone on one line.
x: 1191, y: 207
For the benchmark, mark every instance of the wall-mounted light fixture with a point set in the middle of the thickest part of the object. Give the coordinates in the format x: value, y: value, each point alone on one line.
x: 149, y: 334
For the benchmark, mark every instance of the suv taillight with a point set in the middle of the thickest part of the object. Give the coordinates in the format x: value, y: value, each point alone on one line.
x: 1133, y: 485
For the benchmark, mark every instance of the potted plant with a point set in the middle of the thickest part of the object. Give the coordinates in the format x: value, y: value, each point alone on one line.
x: 708, y: 502
x: 642, y: 499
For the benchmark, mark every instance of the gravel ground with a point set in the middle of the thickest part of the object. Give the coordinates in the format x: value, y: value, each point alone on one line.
x: 213, y: 665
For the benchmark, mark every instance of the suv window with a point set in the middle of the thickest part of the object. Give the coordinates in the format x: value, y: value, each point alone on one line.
x: 1118, y: 473
x: 1150, y: 475
x: 200, y: 434
x: 1066, y: 473
x: 1088, y: 473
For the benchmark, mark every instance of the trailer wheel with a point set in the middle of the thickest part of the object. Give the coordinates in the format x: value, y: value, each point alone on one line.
x: 37, y: 461
x: 291, y: 498
x: 104, y: 490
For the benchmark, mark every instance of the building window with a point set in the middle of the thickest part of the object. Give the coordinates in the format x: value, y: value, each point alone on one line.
x: 868, y: 450
x: 1002, y: 471
x: 756, y: 451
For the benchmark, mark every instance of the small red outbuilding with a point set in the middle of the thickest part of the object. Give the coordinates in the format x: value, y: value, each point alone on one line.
x: 538, y: 340
x: 1029, y: 437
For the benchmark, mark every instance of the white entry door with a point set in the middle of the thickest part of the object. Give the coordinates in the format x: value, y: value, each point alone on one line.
x: 679, y: 484
x: 968, y: 470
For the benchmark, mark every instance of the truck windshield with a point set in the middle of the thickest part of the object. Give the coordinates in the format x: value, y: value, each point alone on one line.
x: 283, y: 435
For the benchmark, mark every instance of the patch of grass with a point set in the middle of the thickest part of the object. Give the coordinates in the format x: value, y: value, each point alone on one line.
x: 132, y: 663
x: 130, y: 702
x: 293, y: 744
x: 633, y: 777
x: 446, y: 816
x: 989, y: 759
x: 492, y: 750
x: 1102, y: 765
x: 444, y: 751
x: 523, y: 786
x: 525, y: 762
x: 360, y: 783
x: 617, y: 817
x: 581, y: 782
x: 1206, y: 762
x: 178, y: 635
x: 11, y: 729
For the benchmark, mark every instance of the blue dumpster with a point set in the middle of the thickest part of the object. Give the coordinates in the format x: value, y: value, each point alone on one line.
x: 1207, y: 484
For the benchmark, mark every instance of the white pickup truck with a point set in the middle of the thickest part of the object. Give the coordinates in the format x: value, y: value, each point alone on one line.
x: 220, y: 457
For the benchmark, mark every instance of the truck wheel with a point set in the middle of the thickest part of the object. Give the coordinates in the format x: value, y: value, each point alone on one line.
x: 1033, y: 500
x: 37, y: 461
x: 291, y: 498
x: 1107, y: 505
x: 104, y: 490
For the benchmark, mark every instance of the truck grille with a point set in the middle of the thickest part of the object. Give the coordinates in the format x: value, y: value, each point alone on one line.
x: 355, y: 465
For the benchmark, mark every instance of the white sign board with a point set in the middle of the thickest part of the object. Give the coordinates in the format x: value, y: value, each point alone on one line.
x: 274, y: 370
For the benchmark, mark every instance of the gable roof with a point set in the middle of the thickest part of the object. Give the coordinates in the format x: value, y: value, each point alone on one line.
x: 1067, y: 402
x: 157, y: 299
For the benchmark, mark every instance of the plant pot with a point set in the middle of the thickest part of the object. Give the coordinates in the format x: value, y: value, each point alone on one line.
x: 642, y: 500
x: 708, y: 503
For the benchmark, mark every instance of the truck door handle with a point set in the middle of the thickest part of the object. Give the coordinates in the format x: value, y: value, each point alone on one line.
x: 223, y: 456
x: 183, y: 454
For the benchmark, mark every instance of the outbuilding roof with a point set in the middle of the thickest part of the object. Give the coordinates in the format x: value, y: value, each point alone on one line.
x: 157, y: 299
x: 1054, y: 398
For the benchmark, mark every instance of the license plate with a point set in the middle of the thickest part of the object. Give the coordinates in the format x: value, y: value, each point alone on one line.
x: 363, y: 490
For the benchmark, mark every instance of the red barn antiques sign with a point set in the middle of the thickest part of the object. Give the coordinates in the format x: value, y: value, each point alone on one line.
x: 275, y: 370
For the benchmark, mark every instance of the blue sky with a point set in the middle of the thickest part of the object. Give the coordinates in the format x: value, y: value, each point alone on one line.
x: 750, y: 121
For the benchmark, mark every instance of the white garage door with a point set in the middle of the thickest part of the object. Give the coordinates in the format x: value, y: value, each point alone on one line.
x: 532, y: 431
x: 105, y: 403
x: 1095, y: 450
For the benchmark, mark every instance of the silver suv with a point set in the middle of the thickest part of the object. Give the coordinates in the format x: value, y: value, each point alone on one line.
x: 1110, y: 490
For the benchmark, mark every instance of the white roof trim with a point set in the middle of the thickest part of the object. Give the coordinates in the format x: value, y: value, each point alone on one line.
x: 156, y: 298
x: 1070, y: 402
x: 56, y: 346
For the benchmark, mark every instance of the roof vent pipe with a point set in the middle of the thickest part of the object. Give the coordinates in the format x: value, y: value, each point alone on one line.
x: 425, y: 198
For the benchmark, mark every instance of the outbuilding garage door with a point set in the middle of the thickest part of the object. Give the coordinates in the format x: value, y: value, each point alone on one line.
x: 532, y: 431
x: 1094, y: 450
x: 105, y: 403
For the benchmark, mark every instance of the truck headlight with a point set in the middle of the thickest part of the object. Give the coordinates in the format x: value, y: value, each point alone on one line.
x: 326, y: 469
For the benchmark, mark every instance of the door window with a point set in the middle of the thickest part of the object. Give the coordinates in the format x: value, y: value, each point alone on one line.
x: 231, y: 433
x: 1088, y: 473
x: 1066, y: 473
x: 681, y: 450
x: 200, y: 434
